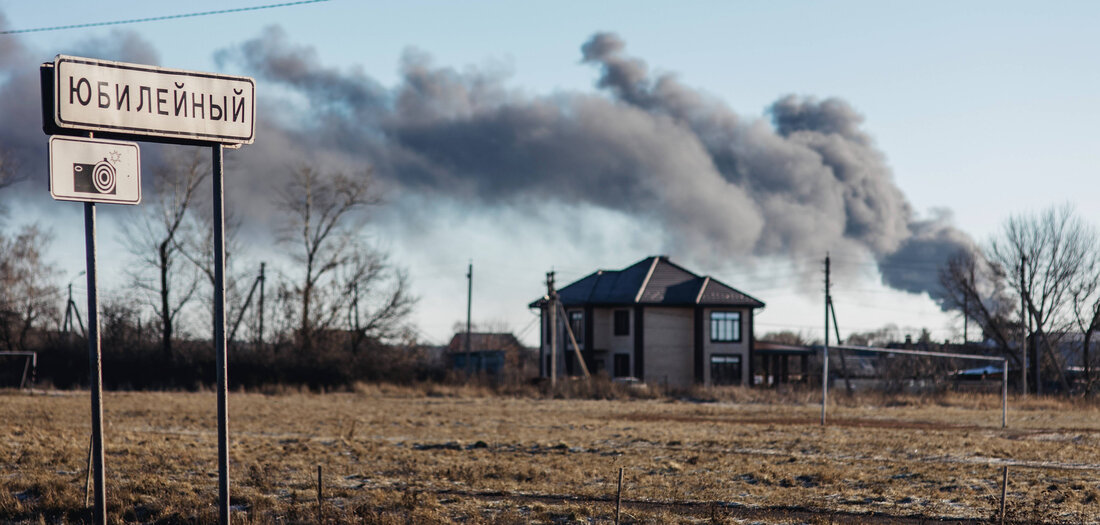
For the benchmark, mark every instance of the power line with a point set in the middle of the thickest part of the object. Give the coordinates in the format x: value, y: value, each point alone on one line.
x: 157, y: 18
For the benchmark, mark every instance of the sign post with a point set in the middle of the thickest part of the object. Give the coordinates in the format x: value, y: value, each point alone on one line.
x: 95, y: 364
x: 118, y: 100
x: 220, y: 346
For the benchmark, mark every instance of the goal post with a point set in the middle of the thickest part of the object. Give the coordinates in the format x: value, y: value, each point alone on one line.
x: 873, y: 349
x: 30, y: 365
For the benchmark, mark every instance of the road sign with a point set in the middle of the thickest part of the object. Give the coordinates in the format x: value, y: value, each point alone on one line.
x: 95, y: 170
x: 117, y: 100
x: 138, y: 100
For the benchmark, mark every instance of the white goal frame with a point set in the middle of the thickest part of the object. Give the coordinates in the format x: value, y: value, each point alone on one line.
x: 31, y: 364
x: 1002, y: 360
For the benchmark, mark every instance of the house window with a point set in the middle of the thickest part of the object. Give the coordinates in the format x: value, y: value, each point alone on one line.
x: 725, y: 369
x: 725, y: 327
x: 622, y: 365
x: 576, y: 323
x: 622, y: 322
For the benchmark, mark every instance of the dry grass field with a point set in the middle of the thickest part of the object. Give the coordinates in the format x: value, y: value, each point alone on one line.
x: 448, y: 455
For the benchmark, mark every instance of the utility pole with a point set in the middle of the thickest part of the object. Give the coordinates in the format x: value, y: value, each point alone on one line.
x: 840, y: 353
x: 67, y: 324
x: 966, y: 305
x: 262, y: 281
x: 355, y: 307
x: 248, y: 303
x: 71, y: 311
x: 469, y: 304
x: 1023, y: 329
x: 825, y: 359
x: 552, y: 309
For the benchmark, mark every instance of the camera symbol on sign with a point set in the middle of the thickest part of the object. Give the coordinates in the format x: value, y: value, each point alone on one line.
x: 94, y: 178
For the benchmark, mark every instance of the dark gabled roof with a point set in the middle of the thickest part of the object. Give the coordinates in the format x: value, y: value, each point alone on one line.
x: 651, y: 281
x: 482, y: 341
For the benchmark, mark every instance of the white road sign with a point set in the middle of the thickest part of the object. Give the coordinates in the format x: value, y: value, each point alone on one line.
x: 95, y: 170
x: 101, y: 95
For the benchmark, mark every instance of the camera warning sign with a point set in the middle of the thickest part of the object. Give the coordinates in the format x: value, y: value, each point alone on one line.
x: 95, y: 170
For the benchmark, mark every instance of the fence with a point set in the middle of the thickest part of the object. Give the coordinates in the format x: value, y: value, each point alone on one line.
x: 1002, y: 360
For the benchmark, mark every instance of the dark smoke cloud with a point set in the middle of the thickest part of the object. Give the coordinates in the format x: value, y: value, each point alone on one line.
x: 819, y: 179
x: 719, y: 186
x: 10, y: 48
x: 119, y: 45
x: 716, y: 187
x: 21, y: 136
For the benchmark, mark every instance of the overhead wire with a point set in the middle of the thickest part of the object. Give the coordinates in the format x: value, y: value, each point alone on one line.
x: 157, y: 18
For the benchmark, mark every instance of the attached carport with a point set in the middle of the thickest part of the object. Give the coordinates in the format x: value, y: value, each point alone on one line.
x: 772, y: 361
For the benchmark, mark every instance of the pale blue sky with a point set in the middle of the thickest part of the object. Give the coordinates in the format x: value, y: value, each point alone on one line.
x: 982, y: 108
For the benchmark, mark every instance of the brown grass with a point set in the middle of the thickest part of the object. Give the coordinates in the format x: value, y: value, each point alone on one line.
x: 472, y: 454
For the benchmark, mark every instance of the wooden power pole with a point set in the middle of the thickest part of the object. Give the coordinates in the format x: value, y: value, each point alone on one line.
x: 552, y: 310
x: 469, y: 304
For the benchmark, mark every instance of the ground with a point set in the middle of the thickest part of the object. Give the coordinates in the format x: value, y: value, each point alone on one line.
x: 436, y: 455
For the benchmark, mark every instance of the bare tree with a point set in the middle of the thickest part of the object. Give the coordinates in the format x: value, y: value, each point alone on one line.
x: 1085, y: 291
x: 787, y: 337
x: 339, y: 275
x: 1086, y: 317
x: 977, y: 288
x: 28, y: 295
x: 879, y: 337
x: 156, y: 242
x: 1041, y: 259
x: 195, y: 242
x: 380, y: 301
x: 1053, y: 247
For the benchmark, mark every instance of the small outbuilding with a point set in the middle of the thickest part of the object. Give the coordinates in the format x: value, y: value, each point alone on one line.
x: 489, y: 353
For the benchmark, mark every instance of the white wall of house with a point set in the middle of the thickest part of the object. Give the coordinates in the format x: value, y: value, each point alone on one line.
x: 669, y: 346
x: 736, y: 348
x: 604, y: 338
x: 602, y: 320
x: 669, y: 341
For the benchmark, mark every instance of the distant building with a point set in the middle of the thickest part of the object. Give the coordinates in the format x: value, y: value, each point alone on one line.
x: 655, y: 321
x: 491, y: 354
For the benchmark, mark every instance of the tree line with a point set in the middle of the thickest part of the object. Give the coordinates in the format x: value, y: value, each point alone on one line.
x: 1034, y: 289
x: 331, y: 299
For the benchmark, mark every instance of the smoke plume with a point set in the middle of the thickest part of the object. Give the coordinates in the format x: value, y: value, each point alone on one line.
x: 717, y: 185
x: 804, y: 180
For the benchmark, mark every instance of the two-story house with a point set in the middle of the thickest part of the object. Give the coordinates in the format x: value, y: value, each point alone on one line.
x: 654, y: 321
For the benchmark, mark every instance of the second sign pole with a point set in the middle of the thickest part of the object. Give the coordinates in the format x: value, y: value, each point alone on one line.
x: 220, y: 347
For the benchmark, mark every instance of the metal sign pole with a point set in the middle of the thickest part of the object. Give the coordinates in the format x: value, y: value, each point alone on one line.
x: 1004, y: 393
x: 824, y: 384
x: 95, y: 362
x: 825, y: 354
x: 219, y: 337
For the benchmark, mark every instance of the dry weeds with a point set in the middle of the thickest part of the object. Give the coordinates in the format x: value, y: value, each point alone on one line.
x: 466, y: 455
